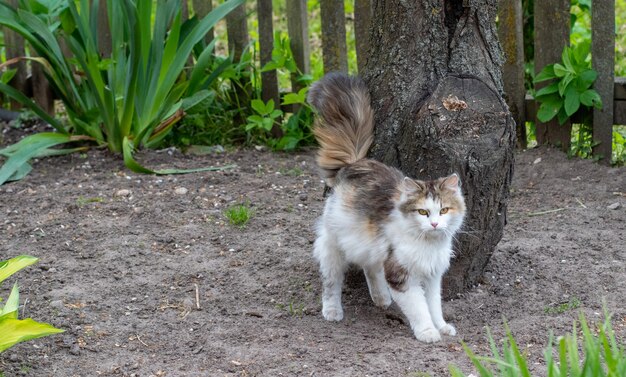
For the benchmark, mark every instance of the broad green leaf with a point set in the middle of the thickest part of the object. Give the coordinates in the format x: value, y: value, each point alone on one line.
x: 19, y: 330
x: 21, y: 172
x: 268, y: 123
x: 572, y: 101
x: 11, y: 266
x: 564, y: 83
x: 270, y: 66
x: 565, y: 58
x: 552, y: 88
x: 547, y: 111
x: 559, y: 70
x: 276, y: 113
x: 591, y: 98
x: 26, y: 149
x: 588, y: 77
x: 12, y: 304
x: 255, y: 119
x: 546, y: 73
x: 259, y: 106
x: 189, y: 103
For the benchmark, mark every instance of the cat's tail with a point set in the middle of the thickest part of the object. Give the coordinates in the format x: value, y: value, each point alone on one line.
x: 345, y: 122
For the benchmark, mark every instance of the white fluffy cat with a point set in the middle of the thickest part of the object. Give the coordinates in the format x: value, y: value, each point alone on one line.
x: 399, y: 230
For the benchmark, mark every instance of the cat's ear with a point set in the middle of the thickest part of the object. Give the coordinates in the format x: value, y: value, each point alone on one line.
x: 452, y: 182
x: 411, y: 186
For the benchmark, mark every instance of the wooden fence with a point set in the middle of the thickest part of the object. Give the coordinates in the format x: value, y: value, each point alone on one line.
x: 552, y: 27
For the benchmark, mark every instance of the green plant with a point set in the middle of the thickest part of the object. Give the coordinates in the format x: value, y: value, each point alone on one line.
x: 296, y: 128
x: 239, y: 214
x: 574, y: 303
x: 602, y: 355
x: 619, y: 146
x: 128, y: 100
x: 571, y: 88
x: 265, y: 118
x: 16, y: 330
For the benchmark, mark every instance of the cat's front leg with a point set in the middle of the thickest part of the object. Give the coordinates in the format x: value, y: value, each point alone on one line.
x: 433, y: 298
x: 412, y: 302
x: 379, y: 291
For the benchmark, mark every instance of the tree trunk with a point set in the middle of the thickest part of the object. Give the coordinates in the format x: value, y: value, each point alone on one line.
x: 434, y: 72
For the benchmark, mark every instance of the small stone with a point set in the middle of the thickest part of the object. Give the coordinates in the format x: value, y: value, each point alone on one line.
x: 14, y: 357
x: 57, y: 304
x: 303, y: 197
x: 538, y: 160
x: 123, y: 192
x: 75, y: 350
x: 181, y: 191
x: 614, y: 206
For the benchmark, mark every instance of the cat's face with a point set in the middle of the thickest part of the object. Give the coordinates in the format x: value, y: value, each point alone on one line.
x: 433, y: 207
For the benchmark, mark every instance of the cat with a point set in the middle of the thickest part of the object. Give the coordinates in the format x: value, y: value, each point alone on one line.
x: 397, y: 229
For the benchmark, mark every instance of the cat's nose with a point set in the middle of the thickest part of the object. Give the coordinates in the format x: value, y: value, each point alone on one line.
x: 434, y: 225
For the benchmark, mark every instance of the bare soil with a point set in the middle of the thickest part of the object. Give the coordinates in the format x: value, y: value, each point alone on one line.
x: 147, y: 277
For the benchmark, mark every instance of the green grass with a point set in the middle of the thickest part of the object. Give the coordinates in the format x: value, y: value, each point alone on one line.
x: 574, y: 303
x: 293, y: 172
x: 239, y: 214
x: 602, y: 355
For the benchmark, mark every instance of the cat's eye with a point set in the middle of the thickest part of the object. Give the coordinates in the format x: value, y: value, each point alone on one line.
x: 422, y: 212
x: 444, y: 210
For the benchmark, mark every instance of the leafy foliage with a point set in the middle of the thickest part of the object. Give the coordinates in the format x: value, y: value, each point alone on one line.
x: 127, y: 100
x: 16, y: 330
x: 571, y: 88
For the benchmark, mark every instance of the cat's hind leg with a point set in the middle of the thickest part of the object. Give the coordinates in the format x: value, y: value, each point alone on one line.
x: 332, y: 268
x: 379, y: 291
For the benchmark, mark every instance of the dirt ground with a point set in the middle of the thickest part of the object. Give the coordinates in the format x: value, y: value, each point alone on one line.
x: 147, y: 277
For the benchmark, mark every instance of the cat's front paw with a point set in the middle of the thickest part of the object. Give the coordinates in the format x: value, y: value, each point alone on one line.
x: 332, y: 313
x: 428, y: 336
x: 382, y: 300
x: 447, y: 329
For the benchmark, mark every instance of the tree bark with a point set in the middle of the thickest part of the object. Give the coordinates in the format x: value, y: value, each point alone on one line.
x: 434, y: 73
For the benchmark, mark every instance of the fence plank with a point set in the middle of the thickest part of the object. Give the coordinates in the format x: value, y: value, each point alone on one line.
x: 362, y: 19
x: 552, y: 27
x: 237, y: 30
x: 104, y: 31
x: 201, y: 8
x: 14, y: 47
x: 42, y: 94
x: 510, y: 33
x: 269, y: 82
x: 334, y: 36
x: 603, y: 56
x: 298, y: 29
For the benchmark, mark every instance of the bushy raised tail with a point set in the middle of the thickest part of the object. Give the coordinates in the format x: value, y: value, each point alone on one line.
x: 345, y: 122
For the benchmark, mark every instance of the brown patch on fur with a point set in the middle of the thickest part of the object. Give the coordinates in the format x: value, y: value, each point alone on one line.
x: 395, y: 274
x: 375, y: 187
